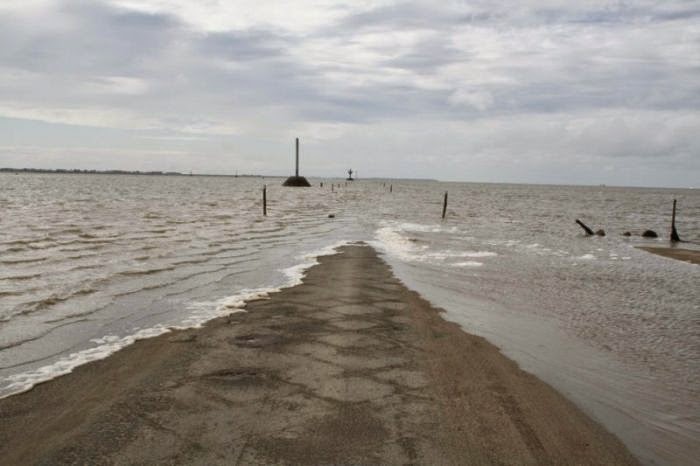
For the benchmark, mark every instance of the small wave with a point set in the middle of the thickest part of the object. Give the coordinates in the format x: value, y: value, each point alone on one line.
x: 160, y: 231
x: 81, y: 256
x: 146, y: 272
x: 69, y: 231
x: 19, y: 241
x: 94, y: 247
x: 191, y: 262
x: 22, y: 277
x: 142, y: 289
x: 22, y: 261
x: 52, y: 300
x: 179, y: 222
x: 587, y: 257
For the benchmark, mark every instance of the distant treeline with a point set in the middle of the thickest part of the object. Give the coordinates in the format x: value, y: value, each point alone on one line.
x: 104, y: 172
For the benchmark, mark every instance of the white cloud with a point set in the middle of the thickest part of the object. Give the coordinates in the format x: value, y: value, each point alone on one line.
x: 299, y: 17
x: 119, y: 85
x: 80, y: 115
x: 480, y: 100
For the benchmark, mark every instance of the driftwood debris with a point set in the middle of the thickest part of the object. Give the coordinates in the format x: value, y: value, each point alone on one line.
x: 588, y: 231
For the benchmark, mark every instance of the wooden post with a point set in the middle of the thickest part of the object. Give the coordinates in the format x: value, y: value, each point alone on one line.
x: 265, y: 200
x: 444, y: 205
x: 674, y: 233
x: 332, y: 187
x: 391, y: 188
x: 588, y: 231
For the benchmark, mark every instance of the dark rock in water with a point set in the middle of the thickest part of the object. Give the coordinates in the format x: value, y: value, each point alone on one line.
x: 627, y: 233
x: 650, y: 234
x: 600, y: 232
x: 331, y: 215
x: 296, y: 181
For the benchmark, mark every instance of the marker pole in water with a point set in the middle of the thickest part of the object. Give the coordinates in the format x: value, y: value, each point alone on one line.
x: 391, y: 188
x: 674, y: 233
x: 265, y: 200
x: 296, y: 172
x: 444, y: 205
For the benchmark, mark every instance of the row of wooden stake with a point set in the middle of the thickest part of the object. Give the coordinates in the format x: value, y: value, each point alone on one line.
x: 674, y: 232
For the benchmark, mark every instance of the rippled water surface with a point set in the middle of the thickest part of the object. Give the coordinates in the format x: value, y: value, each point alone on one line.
x: 89, y: 263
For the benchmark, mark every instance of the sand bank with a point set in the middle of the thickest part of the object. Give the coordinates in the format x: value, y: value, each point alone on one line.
x: 686, y: 255
x: 350, y: 367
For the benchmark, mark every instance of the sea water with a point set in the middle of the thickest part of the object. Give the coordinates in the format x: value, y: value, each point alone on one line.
x: 92, y: 263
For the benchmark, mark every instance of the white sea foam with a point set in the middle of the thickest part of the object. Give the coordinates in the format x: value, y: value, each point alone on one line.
x: 587, y: 257
x: 106, y: 345
x: 433, y: 228
x: 390, y: 239
x: 468, y: 264
x: 296, y: 273
x: 477, y: 254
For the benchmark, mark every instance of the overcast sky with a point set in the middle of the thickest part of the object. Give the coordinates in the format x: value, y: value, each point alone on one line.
x: 542, y: 91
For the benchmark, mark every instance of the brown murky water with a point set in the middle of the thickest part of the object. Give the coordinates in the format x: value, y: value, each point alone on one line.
x: 90, y: 263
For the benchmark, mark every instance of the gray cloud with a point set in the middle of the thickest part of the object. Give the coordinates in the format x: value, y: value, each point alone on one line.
x: 525, y: 80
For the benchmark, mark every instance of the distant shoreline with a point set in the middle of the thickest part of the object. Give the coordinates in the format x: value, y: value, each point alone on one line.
x: 77, y: 171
